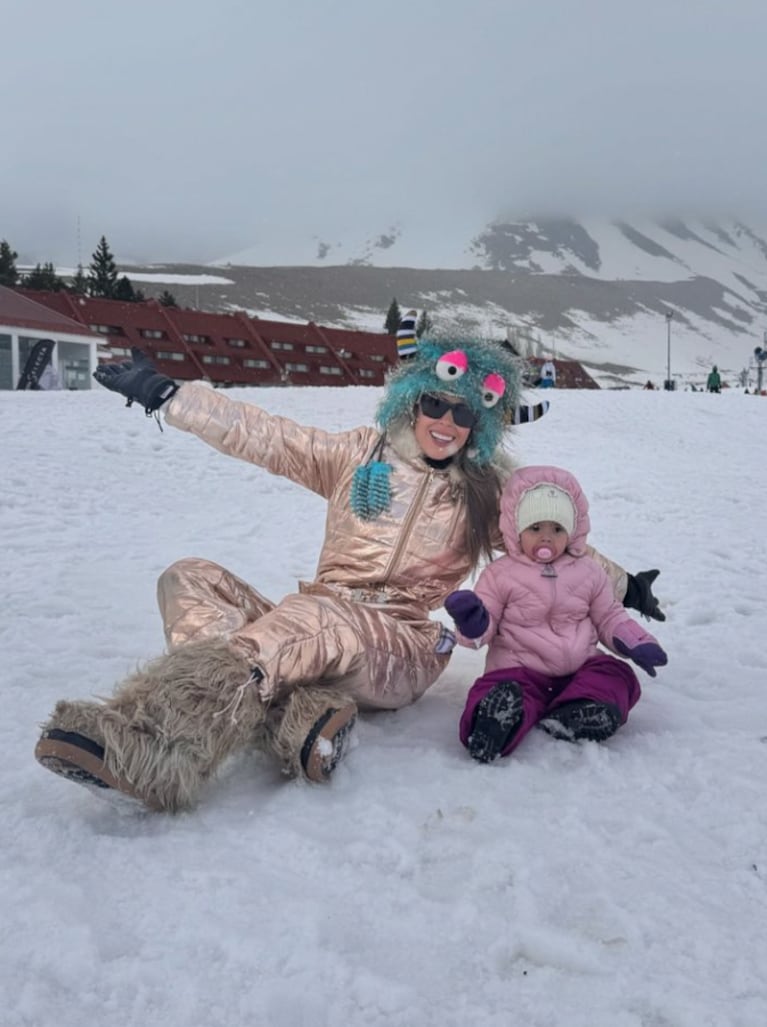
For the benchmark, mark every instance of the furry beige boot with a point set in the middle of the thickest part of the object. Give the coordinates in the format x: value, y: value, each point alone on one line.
x: 309, y: 731
x: 164, y: 731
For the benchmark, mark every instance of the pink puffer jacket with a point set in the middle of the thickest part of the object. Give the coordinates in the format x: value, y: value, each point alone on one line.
x: 549, y: 617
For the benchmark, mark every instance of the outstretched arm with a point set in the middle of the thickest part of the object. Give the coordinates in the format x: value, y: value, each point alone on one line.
x: 620, y: 633
x: 633, y: 590
x: 309, y: 456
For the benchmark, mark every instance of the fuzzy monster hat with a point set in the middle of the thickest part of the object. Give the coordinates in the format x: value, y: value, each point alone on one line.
x: 481, y: 373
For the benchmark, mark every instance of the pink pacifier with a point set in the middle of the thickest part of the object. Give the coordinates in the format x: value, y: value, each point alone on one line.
x: 543, y: 553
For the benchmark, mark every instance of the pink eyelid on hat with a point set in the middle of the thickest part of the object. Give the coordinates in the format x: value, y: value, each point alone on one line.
x: 494, y: 383
x: 452, y: 365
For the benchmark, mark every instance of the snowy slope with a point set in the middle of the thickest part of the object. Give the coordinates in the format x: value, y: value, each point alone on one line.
x: 621, y: 885
x: 589, y: 284
x: 662, y: 250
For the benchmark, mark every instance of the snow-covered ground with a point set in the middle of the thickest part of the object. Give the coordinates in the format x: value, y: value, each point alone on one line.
x: 614, y: 885
x: 158, y: 277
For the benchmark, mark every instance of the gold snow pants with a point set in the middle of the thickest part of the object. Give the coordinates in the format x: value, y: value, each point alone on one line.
x: 385, y: 655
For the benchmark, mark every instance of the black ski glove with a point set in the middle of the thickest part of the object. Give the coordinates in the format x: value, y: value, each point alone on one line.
x: 138, y: 381
x: 639, y: 595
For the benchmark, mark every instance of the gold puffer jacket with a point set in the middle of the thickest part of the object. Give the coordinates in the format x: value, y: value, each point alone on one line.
x: 412, y: 554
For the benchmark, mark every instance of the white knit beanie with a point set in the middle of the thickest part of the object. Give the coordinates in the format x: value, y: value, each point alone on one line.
x: 546, y: 503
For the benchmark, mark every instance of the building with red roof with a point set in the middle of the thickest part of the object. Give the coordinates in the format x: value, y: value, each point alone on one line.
x: 24, y: 322
x: 226, y: 349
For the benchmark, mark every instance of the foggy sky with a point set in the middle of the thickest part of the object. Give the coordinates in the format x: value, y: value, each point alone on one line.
x: 188, y: 131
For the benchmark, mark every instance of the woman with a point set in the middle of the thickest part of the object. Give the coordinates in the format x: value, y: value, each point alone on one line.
x: 412, y: 507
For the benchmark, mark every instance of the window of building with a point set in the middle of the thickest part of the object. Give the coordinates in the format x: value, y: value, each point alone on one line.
x: 152, y: 333
x: 378, y: 357
x: 296, y: 367
x: 326, y: 369
x: 6, y: 368
x: 344, y: 353
x: 316, y: 349
x: 248, y: 362
x: 204, y: 339
x: 165, y: 354
x: 107, y: 329
x: 74, y: 365
x: 119, y: 351
x: 214, y: 358
x: 238, y: 343
x: 365, y: 373
x: 281, y: 345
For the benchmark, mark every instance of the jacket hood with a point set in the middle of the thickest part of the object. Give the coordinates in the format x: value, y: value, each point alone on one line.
x: 526, y: 478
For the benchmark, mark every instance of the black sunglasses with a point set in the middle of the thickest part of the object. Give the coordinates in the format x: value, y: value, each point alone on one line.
x: 435, y: 407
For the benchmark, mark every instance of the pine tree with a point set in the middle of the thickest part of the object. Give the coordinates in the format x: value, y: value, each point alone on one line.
x: 393, y: 318
x: 44, y: 278
x: 124, y: 290
x: 102, y: 279
x: 8, y: 273
x: 167, y: 299
x: 424, y: 325
x: 79, y: 282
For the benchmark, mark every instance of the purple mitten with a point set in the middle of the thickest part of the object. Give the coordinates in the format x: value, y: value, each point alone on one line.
x: 468, y: 611
x: 647, y: 655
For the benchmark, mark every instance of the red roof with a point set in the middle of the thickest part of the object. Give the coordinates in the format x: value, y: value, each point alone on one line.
x: 18, y: 310
x: 228, y: 349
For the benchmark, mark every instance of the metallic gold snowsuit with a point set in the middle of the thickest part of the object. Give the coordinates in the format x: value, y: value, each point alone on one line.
x: 364, y: 620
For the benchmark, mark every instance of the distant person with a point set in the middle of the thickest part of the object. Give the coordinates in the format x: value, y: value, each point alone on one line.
x: 542, y: 609
x: 548, y: 375
x: 714, y: 381
x: 649, y: 384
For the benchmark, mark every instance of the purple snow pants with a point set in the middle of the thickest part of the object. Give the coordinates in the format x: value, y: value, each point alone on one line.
x: 603, y: 677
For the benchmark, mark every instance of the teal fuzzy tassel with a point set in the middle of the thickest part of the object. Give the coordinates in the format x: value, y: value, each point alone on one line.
x: 371, y: 490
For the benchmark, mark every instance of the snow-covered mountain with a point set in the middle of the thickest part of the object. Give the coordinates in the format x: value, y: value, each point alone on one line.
x: 663, y: 250
x: 599, y: 291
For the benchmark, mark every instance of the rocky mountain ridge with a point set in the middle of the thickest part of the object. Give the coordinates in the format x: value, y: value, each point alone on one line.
x: 615, y: 293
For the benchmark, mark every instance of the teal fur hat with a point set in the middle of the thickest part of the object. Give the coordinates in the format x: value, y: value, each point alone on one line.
x: 481, y: 373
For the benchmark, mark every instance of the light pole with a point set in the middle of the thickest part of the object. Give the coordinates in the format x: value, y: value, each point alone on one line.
x: 669, y: 316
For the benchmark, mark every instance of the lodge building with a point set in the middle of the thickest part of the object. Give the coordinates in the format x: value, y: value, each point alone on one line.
x: 225, y: 349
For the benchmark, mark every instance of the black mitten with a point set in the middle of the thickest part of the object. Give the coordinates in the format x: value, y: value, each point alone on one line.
x: 639, y: 595
x: 138, y: 381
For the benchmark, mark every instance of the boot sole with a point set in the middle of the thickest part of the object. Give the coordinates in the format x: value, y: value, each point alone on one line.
x: 60, y: 752
x: 496, y: 719
x: 594, y: 723
x: 318, y: 760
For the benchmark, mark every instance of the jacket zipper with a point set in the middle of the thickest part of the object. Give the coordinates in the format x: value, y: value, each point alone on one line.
x: 404, y: 534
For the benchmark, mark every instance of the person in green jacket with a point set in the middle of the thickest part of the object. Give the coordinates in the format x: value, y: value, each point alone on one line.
x: 714, y: 381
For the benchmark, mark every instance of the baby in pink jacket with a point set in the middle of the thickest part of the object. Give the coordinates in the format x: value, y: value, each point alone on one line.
x: 542, y: 610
